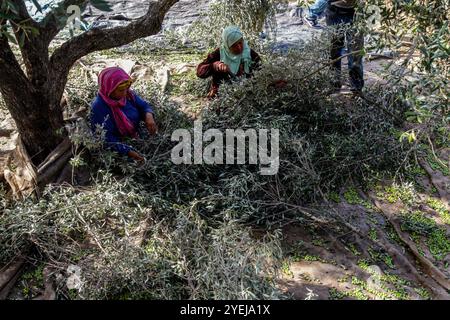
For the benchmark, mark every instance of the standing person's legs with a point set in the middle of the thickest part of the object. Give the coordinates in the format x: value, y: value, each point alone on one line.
x: 355, y: 42
x: 337, y: 46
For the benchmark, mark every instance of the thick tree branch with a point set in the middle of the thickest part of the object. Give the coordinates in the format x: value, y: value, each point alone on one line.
x: 34, y: 51
x: 101, y: 39
x: 55, y: 20
x: 23, y: 17
x: 11, y: 74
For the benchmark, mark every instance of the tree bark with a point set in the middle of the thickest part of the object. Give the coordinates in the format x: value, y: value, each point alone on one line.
x: 28, y: 104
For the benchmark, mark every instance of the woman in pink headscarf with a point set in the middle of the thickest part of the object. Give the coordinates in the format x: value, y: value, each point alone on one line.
x: 119, y: 110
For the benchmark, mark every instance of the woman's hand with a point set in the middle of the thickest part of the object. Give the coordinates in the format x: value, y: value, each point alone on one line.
x: 151, y: 124
x: 219, y: 66
x: 136, y: 156
x: 212, y: 93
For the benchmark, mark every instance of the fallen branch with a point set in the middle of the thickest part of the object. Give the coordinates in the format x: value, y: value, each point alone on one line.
x: 436, y: 179
x: 54, y: 169
x: 9, y: 275
x: 60, y: 150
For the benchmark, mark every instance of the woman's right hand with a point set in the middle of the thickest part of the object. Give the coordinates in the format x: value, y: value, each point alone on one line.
x: 219, y: 66
x: 136, y: 156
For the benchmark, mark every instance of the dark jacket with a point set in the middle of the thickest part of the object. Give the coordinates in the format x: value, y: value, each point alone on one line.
x: 344, y: 4
x: 206, y: 69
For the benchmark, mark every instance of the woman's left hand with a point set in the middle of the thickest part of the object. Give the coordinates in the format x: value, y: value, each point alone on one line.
x: 151, y: 124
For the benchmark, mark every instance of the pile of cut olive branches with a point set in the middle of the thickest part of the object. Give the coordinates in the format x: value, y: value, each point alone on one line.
x: 161, y: 230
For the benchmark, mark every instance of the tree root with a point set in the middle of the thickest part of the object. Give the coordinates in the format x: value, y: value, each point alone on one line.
x: 55, y: 169
x: 426, y: 264
x: 9, y: 275
x: 430, y: 269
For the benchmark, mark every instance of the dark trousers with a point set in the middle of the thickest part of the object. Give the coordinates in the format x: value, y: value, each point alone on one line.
x: 349, y: 39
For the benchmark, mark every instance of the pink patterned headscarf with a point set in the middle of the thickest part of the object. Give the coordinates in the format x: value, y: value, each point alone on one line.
x: 108, y: 81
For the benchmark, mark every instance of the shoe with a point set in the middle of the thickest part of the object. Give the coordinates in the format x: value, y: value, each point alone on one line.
x: 334, y: 91
x: 312, y: 22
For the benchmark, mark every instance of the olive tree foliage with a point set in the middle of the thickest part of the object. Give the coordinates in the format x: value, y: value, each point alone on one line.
x: 418, y: 30
x: 251, y: 16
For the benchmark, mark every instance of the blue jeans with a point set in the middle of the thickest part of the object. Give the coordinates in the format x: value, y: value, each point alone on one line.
x: 352, y: 41
x: 317, y: 9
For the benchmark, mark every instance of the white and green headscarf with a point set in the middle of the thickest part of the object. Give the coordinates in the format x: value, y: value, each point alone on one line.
x: 230, y: 36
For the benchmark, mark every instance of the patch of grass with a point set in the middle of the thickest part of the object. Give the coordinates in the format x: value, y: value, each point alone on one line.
x: 387, y: 259
x: 351, y: 247
x: 32, y: 281
x: 343, y: 279
x: 364, y: 264
x: 311, y: 258
x: 437, y: 165
x: 73, y: 294
x: 297, y: 257
x: 423, y: 293
x: 394, y: 279
x: 439, y: 244
x: 362, y: 286
x: 381, y: 257
x: 352, y: 197
x: 373, y: 234
x: 334, y: 196
x: 404, y: 193
x: 358, y: 294
x: 442, y: 139
x: 399, y: 292
x: 337, y: 294
x: 436, y: 238
x: 35, y: 275
x: 399, y: 284
x: 440, y: 208
x: 358, y: 282
x: 319, y: 242
x: 387, y: 293
x: 286, y: 268
x: 417, y: 171
x: 413, y: 175
x: 392, y: 235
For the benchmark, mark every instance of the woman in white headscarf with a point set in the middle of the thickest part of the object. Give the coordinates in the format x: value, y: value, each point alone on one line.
x: 234, y: 58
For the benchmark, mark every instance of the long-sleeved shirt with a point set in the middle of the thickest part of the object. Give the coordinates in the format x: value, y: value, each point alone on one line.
x: 206, y: 68
x: 101, y: 115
